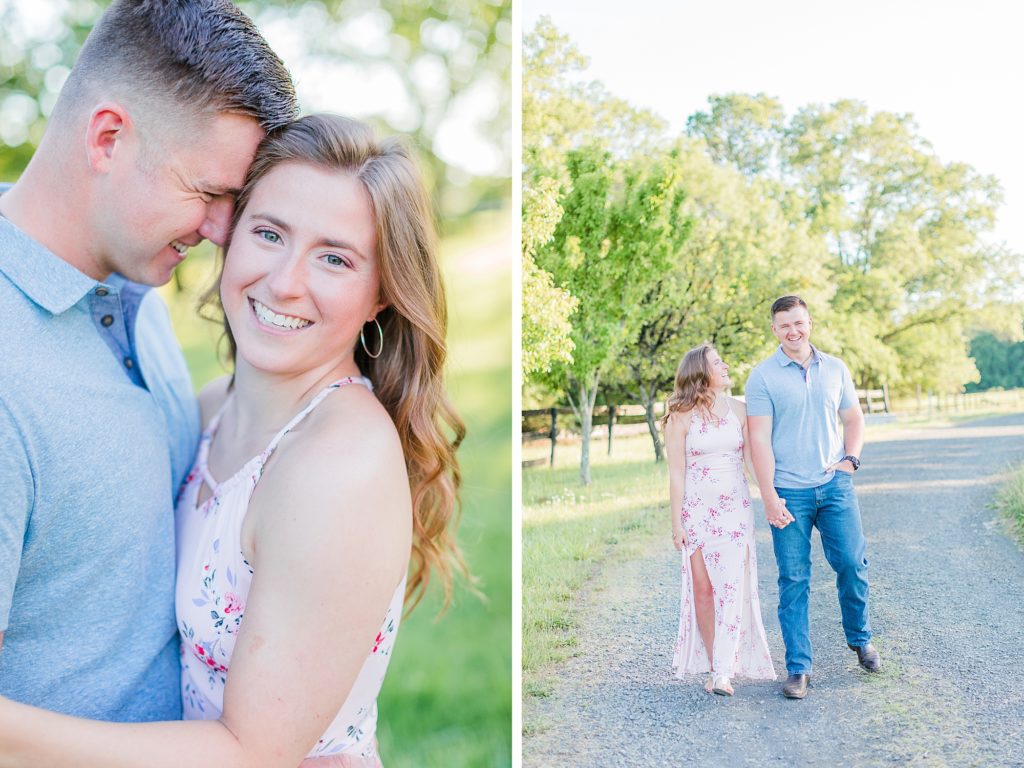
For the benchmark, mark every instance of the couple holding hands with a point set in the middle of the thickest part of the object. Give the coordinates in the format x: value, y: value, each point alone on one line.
x: 800, y: 434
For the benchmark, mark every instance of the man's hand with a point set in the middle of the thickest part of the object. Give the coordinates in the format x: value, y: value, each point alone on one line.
x: 776, y: 512
x: 842, y: 466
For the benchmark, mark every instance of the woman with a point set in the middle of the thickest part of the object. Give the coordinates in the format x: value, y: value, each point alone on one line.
x: 720, y: 629
x: 312, y: 484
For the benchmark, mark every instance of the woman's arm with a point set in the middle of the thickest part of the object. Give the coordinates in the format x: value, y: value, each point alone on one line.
x: 331, y: 536
x: 675, y: 450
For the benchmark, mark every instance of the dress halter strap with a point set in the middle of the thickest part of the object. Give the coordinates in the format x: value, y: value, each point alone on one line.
x: 313, y: 404
x: 202, y: 455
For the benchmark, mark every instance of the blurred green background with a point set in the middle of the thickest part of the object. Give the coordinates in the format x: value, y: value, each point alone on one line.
x: 437, y: 71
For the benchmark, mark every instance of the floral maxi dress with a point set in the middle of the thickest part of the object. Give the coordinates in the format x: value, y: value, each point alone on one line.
x: 718, y: 518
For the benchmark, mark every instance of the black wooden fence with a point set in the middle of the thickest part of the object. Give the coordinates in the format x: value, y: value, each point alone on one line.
x: 542, y: 424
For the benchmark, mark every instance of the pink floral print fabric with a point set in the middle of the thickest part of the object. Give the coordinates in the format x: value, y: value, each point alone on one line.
x: 213, y: 584
x: 718, y: 518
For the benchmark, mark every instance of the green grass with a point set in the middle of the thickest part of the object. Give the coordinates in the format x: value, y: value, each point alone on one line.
x: 569, y: 531
x: 447, y: 699
x: 1010, y: 502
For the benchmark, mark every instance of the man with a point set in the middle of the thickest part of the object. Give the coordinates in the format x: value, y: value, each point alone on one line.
x: 152, y: 133
x: 796, y: 400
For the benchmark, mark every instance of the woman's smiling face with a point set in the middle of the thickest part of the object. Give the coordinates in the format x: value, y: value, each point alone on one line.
x: 720, y: 380
x: 301, y: 275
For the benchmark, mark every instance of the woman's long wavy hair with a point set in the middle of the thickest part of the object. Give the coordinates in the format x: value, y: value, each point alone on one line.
x: 693, y: 384
x: 408, y: 376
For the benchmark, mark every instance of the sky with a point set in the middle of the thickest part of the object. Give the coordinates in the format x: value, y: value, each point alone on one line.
x: 956, y: 66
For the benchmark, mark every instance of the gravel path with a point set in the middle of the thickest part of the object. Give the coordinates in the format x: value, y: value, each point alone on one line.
x: 947, y: 611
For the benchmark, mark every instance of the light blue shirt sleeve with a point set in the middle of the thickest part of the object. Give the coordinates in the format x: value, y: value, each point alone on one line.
x: 166, y: 374
x: 848, y: 397
x: 759, y: 402
x: 17, y: 498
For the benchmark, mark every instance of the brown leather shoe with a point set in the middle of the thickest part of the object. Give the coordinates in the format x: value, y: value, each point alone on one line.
x: 795, y: 686
x: 867, y: 657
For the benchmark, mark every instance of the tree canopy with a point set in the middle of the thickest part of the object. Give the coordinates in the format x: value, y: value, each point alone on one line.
x: 890, y: 245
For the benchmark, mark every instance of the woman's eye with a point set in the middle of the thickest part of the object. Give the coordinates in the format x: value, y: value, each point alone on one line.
x: 269, y: 236
x: 334, y: 260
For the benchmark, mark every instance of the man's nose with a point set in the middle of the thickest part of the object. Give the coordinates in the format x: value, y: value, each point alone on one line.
x: 218, y: 219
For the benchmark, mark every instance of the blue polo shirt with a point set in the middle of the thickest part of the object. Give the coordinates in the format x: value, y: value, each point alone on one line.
x: 96, y: 417
x: 804, y: 405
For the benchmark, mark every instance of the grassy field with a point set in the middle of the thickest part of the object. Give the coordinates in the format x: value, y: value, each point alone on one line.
x: 1010, y: 502
x: 447, y: 700
x: 569, y: 531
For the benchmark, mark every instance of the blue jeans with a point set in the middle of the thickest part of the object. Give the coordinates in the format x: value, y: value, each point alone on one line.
x: 833, y: 508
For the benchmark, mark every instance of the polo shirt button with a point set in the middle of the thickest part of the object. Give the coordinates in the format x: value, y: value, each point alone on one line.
x: 101, y: 291
x: 128, y: 363
x: 107, y: 320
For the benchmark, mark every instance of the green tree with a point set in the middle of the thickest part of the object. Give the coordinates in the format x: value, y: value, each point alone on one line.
x: 619, y: 230
x: 546, y: 329
x: 1000, y: 362
x: 911, y: 264
x: 742, y: 130
x: 741, y: 252
x: 561, y: 112
x: 907, y: 236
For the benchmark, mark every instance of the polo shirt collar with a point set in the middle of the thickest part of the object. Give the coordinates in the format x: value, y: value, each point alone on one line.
x: 40, y: 274
x: 783, y: 359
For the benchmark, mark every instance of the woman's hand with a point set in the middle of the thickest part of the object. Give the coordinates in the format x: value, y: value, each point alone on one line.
x: 776, y: 512
x: 679, y: 537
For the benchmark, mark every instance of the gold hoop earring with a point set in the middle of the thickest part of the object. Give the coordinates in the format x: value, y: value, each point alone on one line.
x: 362, y: 339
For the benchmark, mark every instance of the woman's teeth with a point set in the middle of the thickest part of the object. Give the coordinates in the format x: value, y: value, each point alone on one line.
x: 268, y: 317
x: 179, y: 246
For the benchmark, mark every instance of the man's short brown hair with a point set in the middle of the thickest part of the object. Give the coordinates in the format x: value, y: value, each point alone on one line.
x: 786, y: 303
x: 196, y: 57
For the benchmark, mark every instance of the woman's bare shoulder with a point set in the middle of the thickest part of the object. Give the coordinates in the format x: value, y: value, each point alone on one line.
x: 738, y: 406
x: 679, y: 421
x: 344, y: 468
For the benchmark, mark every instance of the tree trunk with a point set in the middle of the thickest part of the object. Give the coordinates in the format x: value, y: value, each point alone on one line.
x: 647, y: 398
x: 586, y: 425
x: 584, y: 409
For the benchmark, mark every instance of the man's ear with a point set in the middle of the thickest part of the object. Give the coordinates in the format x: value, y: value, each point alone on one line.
x: 109, y: 124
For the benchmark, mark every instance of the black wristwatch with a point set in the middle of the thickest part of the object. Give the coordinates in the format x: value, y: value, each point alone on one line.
x: 853, y: 460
